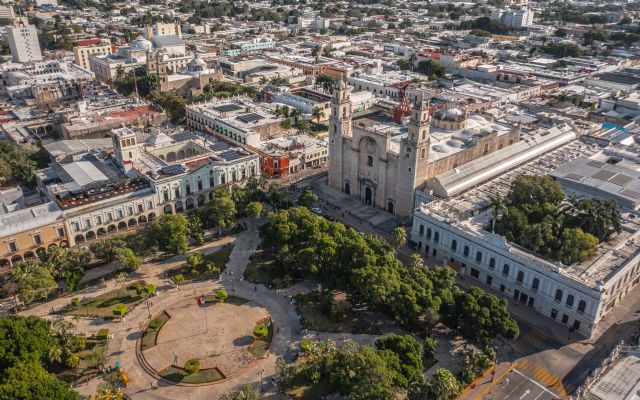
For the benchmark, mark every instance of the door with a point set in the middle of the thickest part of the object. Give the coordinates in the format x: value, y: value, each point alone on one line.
x: 368, y: 195
x: 554, y: 313
x: 516, y: 294
x: 523, y: 298
x: 531, y: 301
x: 489, y: 280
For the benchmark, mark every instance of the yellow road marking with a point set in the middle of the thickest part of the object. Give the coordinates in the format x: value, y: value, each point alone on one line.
x: 480, y: 396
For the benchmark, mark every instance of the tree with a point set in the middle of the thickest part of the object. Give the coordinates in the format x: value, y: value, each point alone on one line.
x: 409, y: 352
x: 174, y: 105
x: 128, y: 259
x: 222, y: 295
x: 327, y: 82
x: 276, y: 195
x: 107, y: 250
x: 254, y: 211
x: 398, y: 236
x: 315, y: 51
x: 497, y: 206
x: 317, y: 113
x: 15, y: 162
x: 560, y: 32
x: 223, y: 210
x: 481, y: 316
x: 195, y: 260
x: 178, y: 279
x: 307, y: 198
x: 171, y: 233
x: 246, y: 392
x: 29, y: 381
x: 32, y: 280
x: 577, y: 246
x: 120, y: 310
x: 431, y: 68
x: 108, y: 393
x: 295, y: 114
x: 441, y: 386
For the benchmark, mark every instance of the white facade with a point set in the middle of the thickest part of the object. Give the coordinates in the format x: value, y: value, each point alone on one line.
x: 576, y: 301
x: 518, y: 19
x: 23, y: 42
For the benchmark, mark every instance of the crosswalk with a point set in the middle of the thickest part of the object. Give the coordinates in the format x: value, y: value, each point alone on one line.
x: 534, y: 340
x: 544, y: 377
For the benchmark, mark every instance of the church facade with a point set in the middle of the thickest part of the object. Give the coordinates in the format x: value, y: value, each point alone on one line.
x: 383, y: 163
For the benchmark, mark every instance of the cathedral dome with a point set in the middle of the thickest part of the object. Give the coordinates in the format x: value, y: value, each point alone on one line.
x: 449, y: 114
x: 159, y: 140
x: 141, y: 44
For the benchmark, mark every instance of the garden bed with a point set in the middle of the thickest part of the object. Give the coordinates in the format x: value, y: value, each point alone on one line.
x: 179, y: 375
x: 261, y: 345
x: 233, y: 300
x: 315, y: 318
x: 304, y: 389
x: 218, y: 258
x: 152, y: 330
x: 102, y: 305
x: 264, y: 270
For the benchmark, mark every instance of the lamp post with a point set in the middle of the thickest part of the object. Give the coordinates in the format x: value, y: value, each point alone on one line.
x: 232, y: 287
x: 261, y: 381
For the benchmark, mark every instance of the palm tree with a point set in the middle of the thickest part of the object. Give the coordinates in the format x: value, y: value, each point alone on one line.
x: 412, y: 60
x: 399, y: 236
x: 317, y: 114
x: 295, y: 114
x: 263, y: 80
x: 497, y: 204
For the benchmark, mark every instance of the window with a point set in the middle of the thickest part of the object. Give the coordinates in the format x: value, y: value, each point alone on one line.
x: 435, y: 252
x: 98, y: 220
x: 582, y: 305
x: 569, y: 302
x: 177, y: 192
x: 465, y: 251
x: 454, y: 245
x: 60, y: 232
x: 436, y: 236
x: 87, y: 223
x: 211, y: 184
x: 428, y: 233
x: 479, y: 257
x: 13, y: 247
x: 492, y: 263
x: 520, y: 277
x: 75, y: 226
x: 565, y: 318
x: 223, y: 178
x: 505, y: 270
x: 535, y: 284
x: 369, y: 161
x: 109, y: 217
x: 558, y: 295
x: 421, y: 230
x: 119, y: 214
x: 129, y: 210
x: 188, y: 187
x: 140, y: 207
x: 475, y: 273
x: 199, y: 184
x: 37, y: 239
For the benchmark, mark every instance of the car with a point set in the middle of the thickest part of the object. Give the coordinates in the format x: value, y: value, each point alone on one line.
x: 317, y: 210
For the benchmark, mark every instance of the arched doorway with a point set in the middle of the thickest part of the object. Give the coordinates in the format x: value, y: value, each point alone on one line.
x: 132, y: 222
x: 79, y: 239
x: 4, y: 263
x: 201, y: 200
x: 142, y: 219
x: 179, y: 207
x: 167, y: 209
x: 102, y: 232
x: 347, y: 188
x: 41, y: 253
x: 152, y: 216
x: 91, y: 235
x: 16, y: 259
x: 390, y: 207
x: 28, y: 255
x: 122, y: 226
x: 112, y: 228
x: 368, y: 195
x: 190, y: 203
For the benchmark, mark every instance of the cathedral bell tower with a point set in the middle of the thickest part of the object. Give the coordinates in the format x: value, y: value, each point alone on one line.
x: 339, y: 127
x: 413, y: 158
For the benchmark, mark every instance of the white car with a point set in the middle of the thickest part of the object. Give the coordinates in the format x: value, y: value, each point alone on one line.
x: 317, y: 210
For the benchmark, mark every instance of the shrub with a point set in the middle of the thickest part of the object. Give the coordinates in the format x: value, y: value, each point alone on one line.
x: 261, y: 331
x: 192, y: 366
x: 120, y: 310
x: 150, y: 288
x: 178, y: 279
x: 75, y: 302
x: 222, y: 295
x: 103, y: 334
x: 194, y: 272
x: 155, y: 324
x: 139, y: 289
x: 306, y: 345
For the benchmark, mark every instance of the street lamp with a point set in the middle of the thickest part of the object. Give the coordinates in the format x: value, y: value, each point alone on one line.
x: 232, y: 288
x: 261, y: 381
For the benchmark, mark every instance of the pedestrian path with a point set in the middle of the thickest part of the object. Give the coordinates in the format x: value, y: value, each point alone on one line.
x: 543, y: 376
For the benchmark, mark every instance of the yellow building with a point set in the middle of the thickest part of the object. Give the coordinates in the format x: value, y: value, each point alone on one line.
x: 82, y: 53
x: 25, y: 233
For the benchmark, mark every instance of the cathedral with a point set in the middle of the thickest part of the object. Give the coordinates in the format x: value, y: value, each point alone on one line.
x: 383, y: 163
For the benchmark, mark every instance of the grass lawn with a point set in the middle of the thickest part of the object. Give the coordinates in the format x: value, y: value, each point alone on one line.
x: 315, y: 318
x: 203, y: 376
x: 262, y: 269
x: 88, y: 367
x: 102, y: 305
x: 303, y: 389
x: 233, y: 300
x: 151, y: 333
x: 218, y: 258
